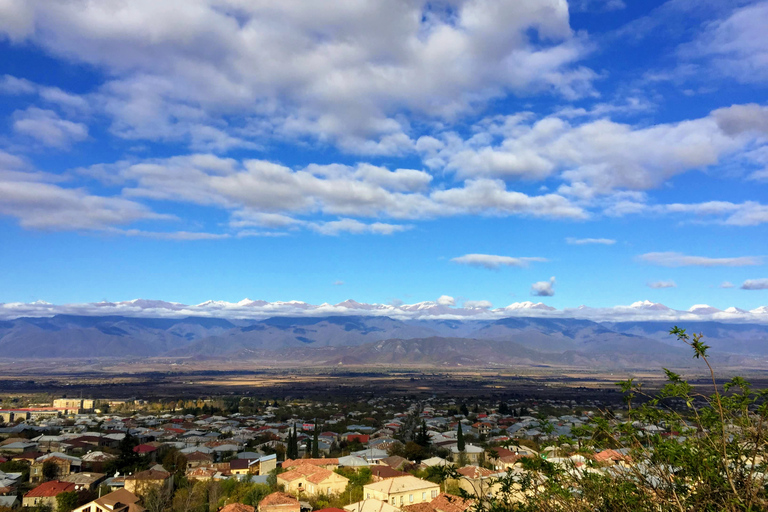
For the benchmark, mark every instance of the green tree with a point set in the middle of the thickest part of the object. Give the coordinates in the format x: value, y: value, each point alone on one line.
x: 712, y: 458
x: 422, y: 437
x: 67, y: 501
x: 315, y: 442
x: 460, y: 439
x: 50, y: 470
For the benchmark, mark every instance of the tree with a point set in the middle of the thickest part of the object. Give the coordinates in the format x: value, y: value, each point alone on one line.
x: 315, y: 443
x: 422, y: 436
x: 711, y: 458
x: 460, y: 439
x: 463, y: 410
x: 67, y: 501
x: 50, y: 470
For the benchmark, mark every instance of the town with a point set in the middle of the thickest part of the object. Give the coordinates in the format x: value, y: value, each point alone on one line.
x: 380, y: 455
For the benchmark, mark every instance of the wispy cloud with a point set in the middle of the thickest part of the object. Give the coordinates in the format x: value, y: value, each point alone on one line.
x: 492, y: 261
x: 662, y: 284
x: 676, y: 259
x: 587, y: 241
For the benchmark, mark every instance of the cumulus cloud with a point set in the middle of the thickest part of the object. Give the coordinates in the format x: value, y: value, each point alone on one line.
x: 589, y: 241
x: 637, y: 311
x: 47, y: 127
x: 477, y: 304
x: 337, y: 72
x: 446, y: 300
x: 49, y: 206
x: 492, y: 261
x: 755, y: 284
x: 676, y: 259
x: 543, y: 288
x: 662, y: 284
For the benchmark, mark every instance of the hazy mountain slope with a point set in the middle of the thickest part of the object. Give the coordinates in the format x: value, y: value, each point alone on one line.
x: 79, y: 336
x: 283, y: 332
x: 747, y: 339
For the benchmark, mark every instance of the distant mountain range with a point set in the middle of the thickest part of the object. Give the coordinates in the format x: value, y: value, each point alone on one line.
x: 378, y: 339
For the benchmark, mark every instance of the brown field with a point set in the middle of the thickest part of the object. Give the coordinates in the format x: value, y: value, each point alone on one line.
x: 162, y: 378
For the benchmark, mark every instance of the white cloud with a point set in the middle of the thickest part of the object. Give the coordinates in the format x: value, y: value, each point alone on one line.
x: 356, y: 227
x: 338, y: 72
x: 544, y: 288
x: 13, y: 85
x: 173, y: 235
x: 676, y: 259
x: 41, y: 205
x: 338, y: 283
x: 726, y: 284
x: 477, y: 304
x: 446, y: 300
x: 755, y: 284
x: 638, y: 311
x: 491, y: 261
x: 734, y: 46
x: 47, y: 127
x: 590, y: 241
x: 662, y: 284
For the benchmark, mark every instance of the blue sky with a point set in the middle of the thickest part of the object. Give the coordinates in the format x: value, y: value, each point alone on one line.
x: 595, y: 152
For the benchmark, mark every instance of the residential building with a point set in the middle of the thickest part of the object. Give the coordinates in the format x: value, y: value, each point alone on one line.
x: 402, y: 490
x: 279, y: 502
x: 308, y: 479
x: 46, y: 493
x: 116, y: 501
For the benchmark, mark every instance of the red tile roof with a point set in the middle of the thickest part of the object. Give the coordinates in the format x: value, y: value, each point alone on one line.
x: 50, y: 489
x: 237, y: 507
x: 278, y: 498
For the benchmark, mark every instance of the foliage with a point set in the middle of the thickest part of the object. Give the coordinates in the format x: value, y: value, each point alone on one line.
x: 67, y: 501
x: 684, y: 450
x: 460, y: 445
x: 16, y: 466
x: 315, y: 441
x: 50, y: 470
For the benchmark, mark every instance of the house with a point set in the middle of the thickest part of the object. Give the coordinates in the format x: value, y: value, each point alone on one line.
x: 382, y: 472
x: 329, y: 463
x: 65, y: 465
x: 95, y: 461
x: 371, y: 505
x: 478, y: 481
x: 116, y: 501
x: 279, y: 502
x: 237, y: 507
x: 402, y: 490
x: 141, y: 482
x: 196, y: 459
x: 443, y: 503
x: 46, y: 493
x: 312, y: 480
x: 471, y: 452
x: 87, y: 481
x: 10, y: 502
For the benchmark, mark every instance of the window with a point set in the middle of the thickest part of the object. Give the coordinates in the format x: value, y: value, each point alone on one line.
x: 368, y: 496
x: 393, y: 501
x: 434, y: 494
x: 401, y: 499
x: 410, y: 498
x: 424, y: 496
